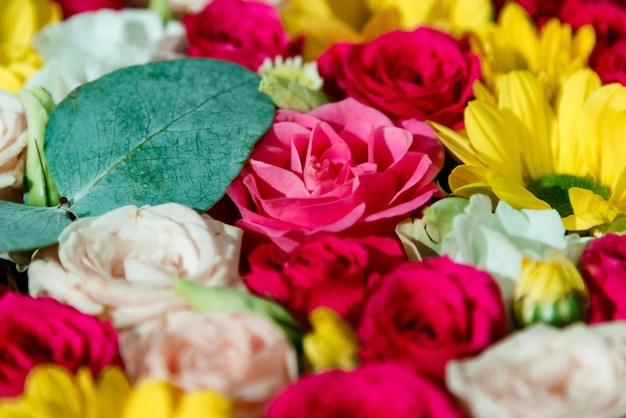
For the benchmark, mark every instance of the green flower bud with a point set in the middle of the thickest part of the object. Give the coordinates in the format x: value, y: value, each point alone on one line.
x: 551, y: 292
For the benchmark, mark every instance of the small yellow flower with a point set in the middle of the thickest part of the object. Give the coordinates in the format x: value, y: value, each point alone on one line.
x: 53, y: 392
x: 515, y: 43
x: 325, y: 22
x: 332, y: 344
x: 19, y: 21
x: 551, y: 291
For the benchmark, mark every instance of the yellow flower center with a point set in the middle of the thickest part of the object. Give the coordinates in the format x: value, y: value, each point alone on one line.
x: 553, y: 189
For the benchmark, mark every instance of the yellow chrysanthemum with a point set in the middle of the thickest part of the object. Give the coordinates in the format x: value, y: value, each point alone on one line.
x: 19, y: 21
x: 332, y: 344
x: 324, y: 22
x: 515, y: 43
x: 53, y: 392
x: 531, y: 155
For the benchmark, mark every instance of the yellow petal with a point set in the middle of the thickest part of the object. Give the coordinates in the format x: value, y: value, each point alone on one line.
x: 113, y: 389
x: 381, y: 22
x: 569, y: 153
x: 493, y: 139
x: 513, y: 193
x: 590, y: 210
x: 534, y: 121
x: 205, y: 404
x: 458, y: 144
x: 520, y: 31
x: 152, y: 399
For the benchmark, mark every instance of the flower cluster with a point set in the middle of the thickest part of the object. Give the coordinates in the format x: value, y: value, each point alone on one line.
x: 431, y: 222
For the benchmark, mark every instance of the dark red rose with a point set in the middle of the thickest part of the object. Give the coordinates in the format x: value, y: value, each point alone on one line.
x: 426, y: 313
x: 43, y: 330
x: 603, y: 266
x: 72, y: 7
x: 425, y: 74
x: 325, y: 271
x: 242, y: 31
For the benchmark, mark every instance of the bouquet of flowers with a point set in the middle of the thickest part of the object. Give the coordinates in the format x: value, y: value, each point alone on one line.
x: 312, y: 208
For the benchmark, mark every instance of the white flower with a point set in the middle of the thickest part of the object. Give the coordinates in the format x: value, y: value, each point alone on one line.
x: 292, y: 68
x: 89, y: 45
x: 12, y: 143
x: 121, y: 265
x: 576, y: 372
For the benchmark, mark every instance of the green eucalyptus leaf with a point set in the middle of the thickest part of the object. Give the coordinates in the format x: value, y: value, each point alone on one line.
x: 24, y: 227
x: 170, y: 131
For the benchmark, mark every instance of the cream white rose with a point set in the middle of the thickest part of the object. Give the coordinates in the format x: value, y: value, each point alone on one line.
x: 242, y: 356
x: 89, y: 45
x: 576, y: 372
x: 12, y: 144
x: 121, y: 265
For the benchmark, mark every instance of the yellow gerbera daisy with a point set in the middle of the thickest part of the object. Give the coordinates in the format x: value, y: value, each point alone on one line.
x: 53, y: 392
x: 324, y: 22
x: 531, y: 155
x: 515, y: 43
x: 19, y: 21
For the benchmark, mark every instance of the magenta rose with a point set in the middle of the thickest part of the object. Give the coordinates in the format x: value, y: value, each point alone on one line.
x: 342, y: 168
x: 72, y: 7
x: 427, y: 313
x: 607, y: 17
x: 242, y: 31
x: 611, y: 64
x: 326, y: 271
x: 424, y: 74
x: 603, y: 266
x: 36, y: 331
x: 374, y: 391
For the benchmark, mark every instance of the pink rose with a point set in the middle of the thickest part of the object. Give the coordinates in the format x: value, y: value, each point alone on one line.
x: 12, y: 144
x: 244, y: 32
x: 427, y: 313
x: 608, y: 18
x: 327, y: 271
x: 241, y: 356
x: 424, y: 74
x: 603, y: 265
x: 37, y: 331
x: 575, y: 372
x: 611, y: 64
x: 339, y: 168
x: 121, y: 265
x: 372, y: 391
x: 72, y: 7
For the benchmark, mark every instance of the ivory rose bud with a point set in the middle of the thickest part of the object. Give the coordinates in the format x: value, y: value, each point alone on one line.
x: 343, y: 168
x: 243, y: 357
x: 121, y: 265
x: 12, y: 143
x: 575, y: 372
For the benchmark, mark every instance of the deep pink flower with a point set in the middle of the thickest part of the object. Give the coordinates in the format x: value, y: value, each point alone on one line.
x: 611, y: 64
x: 426, y: 313
x: 603, y: 266
x: 342, y: 168
x: 72, y: 7
x: 367, y: 392
x: 42, y: 330
x: 326, y: 271
x: 425, y: 74
x: 241, y: 31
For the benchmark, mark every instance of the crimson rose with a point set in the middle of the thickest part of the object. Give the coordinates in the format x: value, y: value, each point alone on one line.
x: 42, y: 330
x: 426, y: 313
x: 425, y: 74
x: 72, y: 7
x: 327, y: 271
x: 241, y: 31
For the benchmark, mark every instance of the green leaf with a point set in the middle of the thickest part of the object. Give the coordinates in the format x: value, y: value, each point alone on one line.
x: 25, y: 227
x: 171, y: 131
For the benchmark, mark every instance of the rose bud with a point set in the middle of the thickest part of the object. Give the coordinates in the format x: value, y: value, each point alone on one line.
x: 550, y: 291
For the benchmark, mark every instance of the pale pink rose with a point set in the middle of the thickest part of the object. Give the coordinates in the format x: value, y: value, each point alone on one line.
x: 12, y: 143
x: 242, y: 356
x: 576, y: 372
x: 121, y: 265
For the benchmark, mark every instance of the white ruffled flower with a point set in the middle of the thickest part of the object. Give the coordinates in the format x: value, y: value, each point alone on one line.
x: 89, y: 45
x: 292, y: 68
x: 12, y: 144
